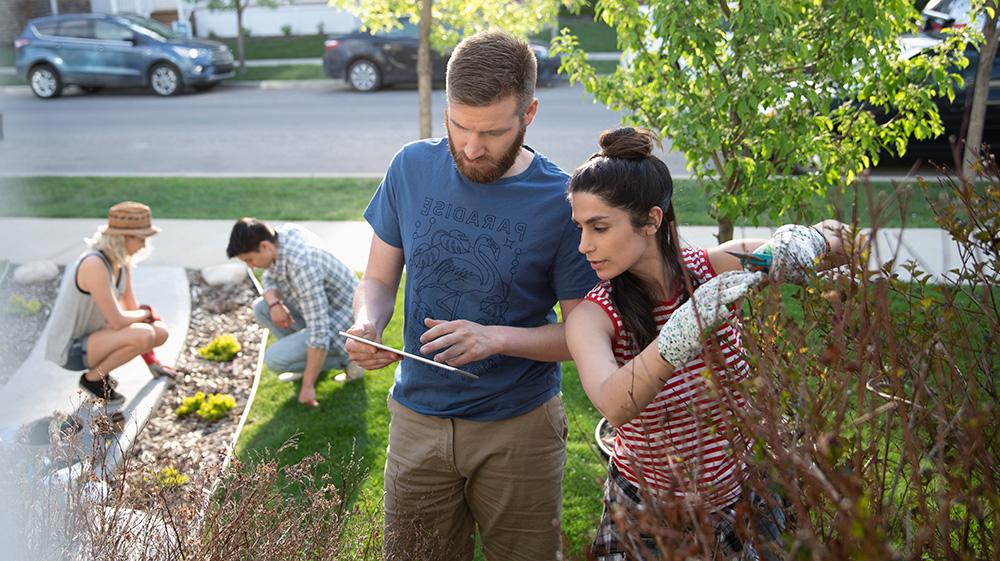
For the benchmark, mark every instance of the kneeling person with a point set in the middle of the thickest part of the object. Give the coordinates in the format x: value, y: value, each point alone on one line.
x: 97, y: 325
x: 307, y: 298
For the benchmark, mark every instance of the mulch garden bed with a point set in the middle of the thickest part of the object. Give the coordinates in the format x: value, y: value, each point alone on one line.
x: 189, y: 444
x: 24, y: 309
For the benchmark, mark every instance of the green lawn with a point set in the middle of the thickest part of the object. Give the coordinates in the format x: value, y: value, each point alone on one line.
x: 275, y: 199
x: 6, y: 56
x: 354, y: 417
x: 6, y: 80
x: 287, y: 72
x: 604, y: 66
x: 293, y: 46
x: 594, y: 36
x: 306, y: 199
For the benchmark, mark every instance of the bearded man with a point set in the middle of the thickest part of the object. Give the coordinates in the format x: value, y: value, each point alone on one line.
x: 482, y: 225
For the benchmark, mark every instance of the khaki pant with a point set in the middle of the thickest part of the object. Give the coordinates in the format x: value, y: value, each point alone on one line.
x: 443, y: 477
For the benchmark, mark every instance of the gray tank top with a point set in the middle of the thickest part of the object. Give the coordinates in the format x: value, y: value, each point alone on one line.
x: 75, y: 313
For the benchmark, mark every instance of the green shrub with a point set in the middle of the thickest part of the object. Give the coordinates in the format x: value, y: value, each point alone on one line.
x: 872, y: 403
x: 210, y: 407
x: 286, y: 30
x: 221, y: 349
x: 18, y: 305
x: 171, y: 477
x: 190, y: 404
x: 216, y: 406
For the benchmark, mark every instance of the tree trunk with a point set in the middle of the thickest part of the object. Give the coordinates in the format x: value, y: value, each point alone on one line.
x: 239, y: 33
x: 981, y: 90
x: 424, y: 69
x: 725, y: 230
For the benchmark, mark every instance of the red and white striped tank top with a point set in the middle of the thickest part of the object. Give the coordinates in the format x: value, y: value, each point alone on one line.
x: 681, y: 437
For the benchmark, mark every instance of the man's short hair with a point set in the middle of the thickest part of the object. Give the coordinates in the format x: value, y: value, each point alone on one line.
x: 489, y: 66
x: 247, y: 234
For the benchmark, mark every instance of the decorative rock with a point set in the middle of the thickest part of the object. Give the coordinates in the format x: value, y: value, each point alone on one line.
x: 36, y: 272
x: 227, y: 273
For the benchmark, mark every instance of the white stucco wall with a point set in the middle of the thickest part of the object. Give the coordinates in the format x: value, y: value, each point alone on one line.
x: 303, y: 19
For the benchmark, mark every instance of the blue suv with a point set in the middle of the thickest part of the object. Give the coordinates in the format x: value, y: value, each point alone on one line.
x: 94, y: 51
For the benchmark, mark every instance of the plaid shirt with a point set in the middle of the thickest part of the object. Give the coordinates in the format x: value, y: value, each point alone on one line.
x: 312, y: 280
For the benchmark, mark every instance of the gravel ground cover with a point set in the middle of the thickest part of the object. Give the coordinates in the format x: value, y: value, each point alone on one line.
x: 189, y: 444
x: 21, y: 323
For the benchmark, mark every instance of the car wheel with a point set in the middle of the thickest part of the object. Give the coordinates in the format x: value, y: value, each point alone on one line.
x: 364, y: 76
x: 91, y: 89
x: 164, y: 79
x: 45, y: 82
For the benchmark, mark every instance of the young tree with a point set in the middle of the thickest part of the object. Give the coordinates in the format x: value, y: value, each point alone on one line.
x: 443, y: 23
x: 771, y: 101
x: 981, y: 85
x: 240, y: 6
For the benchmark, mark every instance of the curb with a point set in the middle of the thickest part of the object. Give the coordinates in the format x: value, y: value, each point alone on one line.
x: 317, y: 84
x: 231, y: 450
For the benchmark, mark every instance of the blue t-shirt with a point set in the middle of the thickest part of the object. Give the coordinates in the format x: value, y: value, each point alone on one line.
x: 501, y: 253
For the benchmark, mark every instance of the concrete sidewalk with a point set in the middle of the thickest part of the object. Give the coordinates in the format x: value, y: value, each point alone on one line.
x: 200, y: 243
x: 191, y: 244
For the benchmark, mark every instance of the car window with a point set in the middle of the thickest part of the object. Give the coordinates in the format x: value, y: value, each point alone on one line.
x: 47, y: 28
x: 77, y: 28
x: 111, y: 32
x: 150, y: 27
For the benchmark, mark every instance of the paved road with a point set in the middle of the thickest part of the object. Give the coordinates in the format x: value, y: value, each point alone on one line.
x: 315, y: 131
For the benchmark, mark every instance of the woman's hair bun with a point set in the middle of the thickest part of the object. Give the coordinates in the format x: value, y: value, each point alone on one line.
x: 628, y: 143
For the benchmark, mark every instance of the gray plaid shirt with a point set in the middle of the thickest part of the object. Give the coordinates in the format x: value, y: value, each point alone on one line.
x: 315, y: 282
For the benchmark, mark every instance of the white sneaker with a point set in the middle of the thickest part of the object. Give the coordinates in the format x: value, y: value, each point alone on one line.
x: 351, y: 373
x: 289, y: 377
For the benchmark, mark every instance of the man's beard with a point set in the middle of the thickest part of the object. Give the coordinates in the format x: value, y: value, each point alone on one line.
x: 486, y: 169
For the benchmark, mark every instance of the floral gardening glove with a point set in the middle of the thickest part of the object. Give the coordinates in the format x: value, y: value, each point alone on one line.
x: 680, y: 338
x: 793, y: 252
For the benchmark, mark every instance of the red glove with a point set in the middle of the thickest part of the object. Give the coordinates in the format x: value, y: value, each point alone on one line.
x: 153, y: 316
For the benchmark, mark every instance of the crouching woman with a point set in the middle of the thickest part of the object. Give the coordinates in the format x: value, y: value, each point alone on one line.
x: 96, y: 324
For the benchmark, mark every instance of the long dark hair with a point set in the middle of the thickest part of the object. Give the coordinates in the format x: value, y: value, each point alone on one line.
x: 625, y: 175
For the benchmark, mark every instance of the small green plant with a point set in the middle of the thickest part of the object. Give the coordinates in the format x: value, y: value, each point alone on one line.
x: 286, y: 30
x: 190, y: 404
x: 211, y: 407
x: 171, y: 477
x: 216, y: 406
x: 221, y: 349
x: 320, y: 28
x: 246, y: 32
x: 18, y: 305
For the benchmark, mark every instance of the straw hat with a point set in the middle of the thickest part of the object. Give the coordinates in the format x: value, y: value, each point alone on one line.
x: 130, y: 219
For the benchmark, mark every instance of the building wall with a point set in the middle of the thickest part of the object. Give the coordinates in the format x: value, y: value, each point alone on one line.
x: 304, y: 19
x: 14, y: 14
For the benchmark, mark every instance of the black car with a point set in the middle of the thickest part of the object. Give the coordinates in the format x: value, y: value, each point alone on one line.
x: 367, y: 62
x: 953, y: 112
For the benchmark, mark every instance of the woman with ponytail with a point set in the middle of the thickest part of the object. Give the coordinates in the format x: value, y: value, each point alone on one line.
x: 636, y: 340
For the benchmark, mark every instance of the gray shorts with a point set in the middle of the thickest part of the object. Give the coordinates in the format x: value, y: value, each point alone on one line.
x: 76, y: 358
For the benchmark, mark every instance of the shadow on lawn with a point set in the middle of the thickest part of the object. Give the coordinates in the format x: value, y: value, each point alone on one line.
x: 338, y: 429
